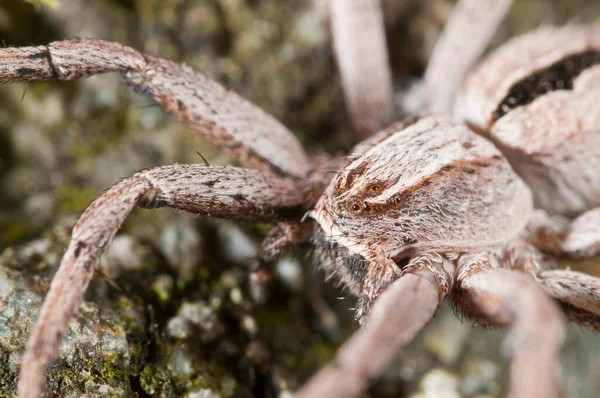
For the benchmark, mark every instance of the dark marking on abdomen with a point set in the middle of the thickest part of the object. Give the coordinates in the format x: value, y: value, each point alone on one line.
x: 38, y: 55
x: 558, y: 76
x: 27, y: 71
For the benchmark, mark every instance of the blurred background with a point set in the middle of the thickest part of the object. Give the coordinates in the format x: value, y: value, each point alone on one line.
x: 169, y: 312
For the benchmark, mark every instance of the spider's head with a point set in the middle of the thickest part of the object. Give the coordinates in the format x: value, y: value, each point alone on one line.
x: 426, y: 185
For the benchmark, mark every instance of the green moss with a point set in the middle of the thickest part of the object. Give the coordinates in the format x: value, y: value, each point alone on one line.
x: 163, y: 288
x: 300, y: 349
x: 14, y: 232
x: 49, y: 3
x: 156, y: 381
x: 8, y: 381
x: 74, y: 199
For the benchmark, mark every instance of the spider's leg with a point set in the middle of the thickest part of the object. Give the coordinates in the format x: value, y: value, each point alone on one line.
x: 577, y: 293
x: 227, y: 192
x: 507, y: 297
x: 361, y: 53
x: 249, y: 135
x: 280, y: 237
x: 392, y: 310
x: 466, y: 35
x: 579, y: 238
x: 546, y: 232
x: 582, y: 236
x: 396, y: 317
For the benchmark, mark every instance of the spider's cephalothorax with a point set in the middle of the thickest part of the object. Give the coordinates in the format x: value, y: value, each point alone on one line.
x: 433, y: 185
x: 422, y: 186
x: 424, y: 209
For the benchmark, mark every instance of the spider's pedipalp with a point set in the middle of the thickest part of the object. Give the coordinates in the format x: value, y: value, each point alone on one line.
x: 361, y: 53
x: 248, y: 134
x: 228, y: 192
x: 279, y: 238
x: 577, y: 293
x: 282, y: 236
x: 505, y: 297
x: 396, y: 317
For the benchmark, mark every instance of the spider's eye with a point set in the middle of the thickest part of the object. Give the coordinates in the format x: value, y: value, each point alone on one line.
x: 398, y: 200
x: 375, y: 188
x: 366, y: 206
x: 356, y: 207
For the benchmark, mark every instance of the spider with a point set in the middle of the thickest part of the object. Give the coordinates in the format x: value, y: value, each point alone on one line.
x: 424, y: 209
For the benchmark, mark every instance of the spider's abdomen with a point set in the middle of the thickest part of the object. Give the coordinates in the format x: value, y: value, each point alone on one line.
x: 537, y: 98
x: 429, y: 185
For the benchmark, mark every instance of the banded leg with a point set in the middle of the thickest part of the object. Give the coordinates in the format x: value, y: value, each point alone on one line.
x: 396, y: 317
x: 246, y: 133
x: 577, y: 293
x: 505, y: 297
x: 227, y: 192
x: 361, y: 53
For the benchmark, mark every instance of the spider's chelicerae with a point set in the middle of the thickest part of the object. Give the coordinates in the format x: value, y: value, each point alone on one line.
x: 469, y: 200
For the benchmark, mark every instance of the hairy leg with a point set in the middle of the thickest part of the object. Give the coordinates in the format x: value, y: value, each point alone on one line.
x: 396, y: 317
x: 228, y: 192
x: 249, y: 135
x: 279, y: 238
x: 582, y: 236
x: 577, y: 293
x: 506, y: 297
x: 283, y: 235
x: 394, y: 305
x: 546, y: 232
x: 361, y: 53
x: 465, y: 37
x: 579, y: 238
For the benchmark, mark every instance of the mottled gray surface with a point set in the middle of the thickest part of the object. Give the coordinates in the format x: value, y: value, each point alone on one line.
x: 169, y: 314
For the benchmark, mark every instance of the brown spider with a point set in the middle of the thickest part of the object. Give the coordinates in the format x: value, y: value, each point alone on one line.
x: 423, y: 209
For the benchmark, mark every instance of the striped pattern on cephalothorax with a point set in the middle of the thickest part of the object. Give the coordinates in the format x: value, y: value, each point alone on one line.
x: 433, y: 185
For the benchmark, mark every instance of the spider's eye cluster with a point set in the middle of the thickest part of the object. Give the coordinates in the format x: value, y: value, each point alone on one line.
x: 359, y: 204
x: 357, y: 207
x: 373, y: 189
